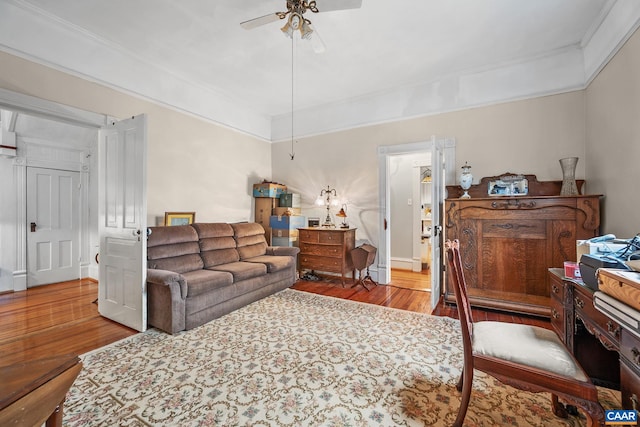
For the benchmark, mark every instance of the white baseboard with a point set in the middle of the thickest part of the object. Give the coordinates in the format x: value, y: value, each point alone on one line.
x: 19, y: 281
x: 402, y: 263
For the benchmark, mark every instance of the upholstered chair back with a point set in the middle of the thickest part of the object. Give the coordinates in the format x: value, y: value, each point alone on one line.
x: 174, y: 248
x: 217, y: 245
x: 250, y: 239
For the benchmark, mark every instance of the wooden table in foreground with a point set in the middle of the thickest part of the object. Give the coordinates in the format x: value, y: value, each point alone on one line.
x: 33, y: 392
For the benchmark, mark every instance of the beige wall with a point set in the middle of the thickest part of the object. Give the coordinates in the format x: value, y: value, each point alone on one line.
x: 527, y: 137
x: 193, y: 165
x: 613, y: 139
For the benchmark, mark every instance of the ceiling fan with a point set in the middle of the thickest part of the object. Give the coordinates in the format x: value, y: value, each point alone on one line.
x: 295, y: 19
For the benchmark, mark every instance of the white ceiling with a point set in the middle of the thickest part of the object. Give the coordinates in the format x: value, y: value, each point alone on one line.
x: 386, y: 61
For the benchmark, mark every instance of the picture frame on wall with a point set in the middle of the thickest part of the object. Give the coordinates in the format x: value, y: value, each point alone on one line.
x: 179, y: 218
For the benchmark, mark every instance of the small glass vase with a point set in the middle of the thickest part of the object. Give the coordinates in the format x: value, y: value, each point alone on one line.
x: 569, y: 186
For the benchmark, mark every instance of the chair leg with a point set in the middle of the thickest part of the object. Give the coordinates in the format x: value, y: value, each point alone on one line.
x: 467, y: 382
x: 559, y: 409
x: 460, y: 381
x: 592, y: 410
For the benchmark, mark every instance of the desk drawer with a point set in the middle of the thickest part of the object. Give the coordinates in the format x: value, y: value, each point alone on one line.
x: 557, y: 288
x: 310, y: 236
x: 629, y: 386
x: 630, y: 350
x: 333, y: 251
x: 606, y: 330
x: 320, y: 263
x: 558, y: 319
x: 331, y: 237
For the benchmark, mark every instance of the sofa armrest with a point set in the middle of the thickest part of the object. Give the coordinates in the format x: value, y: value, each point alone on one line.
x: 166, y: 305
x: 168, y: 278
x: 283, y: 251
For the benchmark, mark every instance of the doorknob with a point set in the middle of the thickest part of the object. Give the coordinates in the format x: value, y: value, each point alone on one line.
x: 33, y: 227
x: 136, y: 232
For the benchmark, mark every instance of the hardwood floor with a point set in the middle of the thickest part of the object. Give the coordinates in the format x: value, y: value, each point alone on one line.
x: 411, y: 280
x: 52, y: 320
x: 63, y: 318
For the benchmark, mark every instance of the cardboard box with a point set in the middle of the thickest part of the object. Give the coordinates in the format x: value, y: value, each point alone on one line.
x: 264, y: 207
x: 287, y: 222
x: 289, y: 200
x: 279, y: 211
x: 268, y: 189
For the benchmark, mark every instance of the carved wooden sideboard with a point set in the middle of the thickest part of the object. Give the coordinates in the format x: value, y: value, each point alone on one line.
x: 508, y: 243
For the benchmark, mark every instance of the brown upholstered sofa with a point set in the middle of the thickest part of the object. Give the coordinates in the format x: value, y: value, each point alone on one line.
x: 199, y: 272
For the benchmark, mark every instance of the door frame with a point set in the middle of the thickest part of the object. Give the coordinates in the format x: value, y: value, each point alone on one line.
x: 38, y: 107
x: 384, y: 154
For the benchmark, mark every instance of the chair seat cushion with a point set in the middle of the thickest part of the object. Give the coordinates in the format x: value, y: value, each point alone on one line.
x: 527, y: 345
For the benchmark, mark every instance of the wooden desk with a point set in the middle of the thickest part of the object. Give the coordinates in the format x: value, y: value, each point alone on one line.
x: 327, y: 249
x: 34, y: 392
x: 622, y: 288
x: 592, y: 337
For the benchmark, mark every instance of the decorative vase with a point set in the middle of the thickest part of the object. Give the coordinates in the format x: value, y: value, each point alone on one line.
x: 569, y: 186
x: 466, y: 179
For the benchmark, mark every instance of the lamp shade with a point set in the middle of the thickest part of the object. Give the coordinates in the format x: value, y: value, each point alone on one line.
x: 342, y: 213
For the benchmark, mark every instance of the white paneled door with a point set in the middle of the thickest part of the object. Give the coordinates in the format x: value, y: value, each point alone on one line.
x: 437, y: 207
x: 53, y: 232
x: 123, y: 222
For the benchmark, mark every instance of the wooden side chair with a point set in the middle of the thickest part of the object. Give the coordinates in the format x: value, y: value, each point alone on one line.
x: 525, y: 357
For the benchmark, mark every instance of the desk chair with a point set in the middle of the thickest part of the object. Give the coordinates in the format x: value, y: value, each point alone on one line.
x: 525, y: 357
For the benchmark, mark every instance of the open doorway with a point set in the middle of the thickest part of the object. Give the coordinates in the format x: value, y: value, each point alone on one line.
x: 45, y: 202
x: 442, y: 152
x: 410, y: 203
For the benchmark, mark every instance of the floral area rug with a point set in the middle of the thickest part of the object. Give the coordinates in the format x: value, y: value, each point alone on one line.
x: 298, y: 359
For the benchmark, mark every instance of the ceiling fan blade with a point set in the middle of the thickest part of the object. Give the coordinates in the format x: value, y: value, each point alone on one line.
x: 256, y: 22
x: 316, y: 41
x: 329, y: 5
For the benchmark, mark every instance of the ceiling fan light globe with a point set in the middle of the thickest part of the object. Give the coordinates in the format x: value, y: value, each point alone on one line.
x: 306, y: 30
x: 287, y: 30
x: 294, y: 21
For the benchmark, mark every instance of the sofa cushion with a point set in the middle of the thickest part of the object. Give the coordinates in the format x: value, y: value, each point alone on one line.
x: 273, y: 263
x: 202, y: 281
x: 180, y: 264
x: 217, y: 244
x: 174, y: 248
x: 250, y: 239
x: 242, y: 270
x: 169, y: 235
